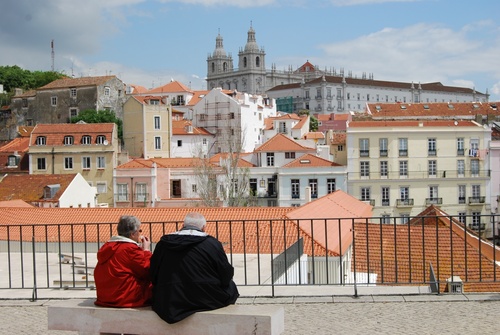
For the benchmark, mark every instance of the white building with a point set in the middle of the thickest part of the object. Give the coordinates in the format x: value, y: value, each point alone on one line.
x: 236, y: 119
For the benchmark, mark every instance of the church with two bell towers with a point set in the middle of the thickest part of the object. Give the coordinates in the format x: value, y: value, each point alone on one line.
x: 251, y: 75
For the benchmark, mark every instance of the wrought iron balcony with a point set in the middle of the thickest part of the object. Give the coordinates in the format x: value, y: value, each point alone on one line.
x: 404, y: 202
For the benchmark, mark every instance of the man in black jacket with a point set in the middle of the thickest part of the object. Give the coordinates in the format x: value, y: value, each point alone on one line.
x: 190, y: 272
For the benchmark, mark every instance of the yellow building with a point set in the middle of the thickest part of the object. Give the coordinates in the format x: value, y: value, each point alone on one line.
x: 402, y: 167
x: 147, y: 126
x: 90, y: 149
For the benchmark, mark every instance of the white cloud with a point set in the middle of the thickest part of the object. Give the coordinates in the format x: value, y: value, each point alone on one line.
x: 232, y: 3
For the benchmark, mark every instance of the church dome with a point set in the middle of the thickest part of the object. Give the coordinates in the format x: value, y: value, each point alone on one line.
x: 219, y: 48
x: 251, y: 42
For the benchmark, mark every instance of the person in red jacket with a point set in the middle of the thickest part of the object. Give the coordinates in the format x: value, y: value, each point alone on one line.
x: 121, y: 275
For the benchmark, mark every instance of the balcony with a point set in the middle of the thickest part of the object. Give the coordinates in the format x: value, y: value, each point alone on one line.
x: 431, y: 153
x: 460, y: 152
x: 477, y: 200
x: 364, y: 153
x: 383, y: 153
x: 371, y: 202
x: 295, y: 196
x: 403, y: 153
x: 386, y: 202
x: 477, y: 226
x: 433, y: 201
x: 404, y: 202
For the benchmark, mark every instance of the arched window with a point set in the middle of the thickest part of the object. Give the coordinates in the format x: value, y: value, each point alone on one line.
x: 244, y: 62
x: 213, y: 67
x: 224, y: 66
x: 257, y: 61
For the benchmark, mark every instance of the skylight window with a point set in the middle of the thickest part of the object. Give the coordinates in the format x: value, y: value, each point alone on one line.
x: 378, y: 107
x: 426, y: 106
x: 475, y: 106
x: 450, y: 106
x: 305, y: 161
x: 403, y: 106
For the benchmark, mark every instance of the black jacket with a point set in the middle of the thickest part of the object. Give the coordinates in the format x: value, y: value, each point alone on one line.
x: 190, y: 272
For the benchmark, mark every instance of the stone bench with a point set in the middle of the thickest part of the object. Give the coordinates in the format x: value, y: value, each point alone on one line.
x: 83, y: 316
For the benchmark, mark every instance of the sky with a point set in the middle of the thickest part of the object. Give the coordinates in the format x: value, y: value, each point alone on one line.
x: 151, y: 42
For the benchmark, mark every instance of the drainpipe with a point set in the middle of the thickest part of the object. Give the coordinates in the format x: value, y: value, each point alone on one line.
x: 53, y: 161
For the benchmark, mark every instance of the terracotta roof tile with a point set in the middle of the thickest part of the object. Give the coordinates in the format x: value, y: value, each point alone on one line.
x: 412, y: 123
x: 197, y: 96
x: 171, y: 87
x: 312, y: 135
x: 55, y: 133
x: 139, y: 163
x: 181, y: 127
x: 310, y: 160
x: 77, y: 82
x: 15, y: 203
x: 467, y: 110
x: 29, y: 188
x: 280, y: 142
x: 19, y: 144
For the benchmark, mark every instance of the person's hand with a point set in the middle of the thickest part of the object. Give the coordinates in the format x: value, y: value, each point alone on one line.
x: 145, y: 243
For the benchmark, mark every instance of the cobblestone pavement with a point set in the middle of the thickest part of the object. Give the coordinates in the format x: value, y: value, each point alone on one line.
x: 397, y: 317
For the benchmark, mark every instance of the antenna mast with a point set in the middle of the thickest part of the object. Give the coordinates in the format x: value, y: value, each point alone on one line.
x: 52, y: 54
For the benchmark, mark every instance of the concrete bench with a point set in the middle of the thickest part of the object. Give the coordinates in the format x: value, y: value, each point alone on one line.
x: 71, y: 259
x: 83, y: 316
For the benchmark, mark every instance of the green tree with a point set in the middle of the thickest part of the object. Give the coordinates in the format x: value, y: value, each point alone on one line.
x: 101, y: 116
x: 313, y: 122
x: 12, y: 77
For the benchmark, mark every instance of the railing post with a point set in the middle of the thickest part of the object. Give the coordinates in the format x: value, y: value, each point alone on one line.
x: 34, y: 295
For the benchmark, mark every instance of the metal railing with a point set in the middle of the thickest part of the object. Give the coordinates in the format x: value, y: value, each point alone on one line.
x: 335, y: 251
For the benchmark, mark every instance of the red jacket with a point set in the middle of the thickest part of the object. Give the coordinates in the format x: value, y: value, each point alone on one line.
x: 122, y: 274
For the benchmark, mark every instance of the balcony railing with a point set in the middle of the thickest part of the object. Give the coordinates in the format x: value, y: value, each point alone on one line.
x: 433, y: 201
x: 477, y: 200
x: 269, y: 252
x: 404, y: 202
x: 383, y: 153
x: 364, y: 153
x: 409, y: 174
x: 403, y: 153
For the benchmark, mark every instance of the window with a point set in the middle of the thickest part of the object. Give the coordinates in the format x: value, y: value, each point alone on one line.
x: 157, y: 123
x: 204, y: 141
x: 405, y: 218
x: 462, y: 217
x: 313, y: 184
x: 141, y: 192
x: 68, y: 163
x: 86, y: 163
x: 86, y: 139
x: 68, y: 140
x: 282, y: 127
x: 122, y: 192
x: 385, y: 196
x: 383, y: 169
x: 101, y: 162
x: 12, y: 160
x: 231, y: 115
x: 107, y: 91
x: 53, y: 101
x: 340, y: 147
x: 290, y: 155
x: 176, y: 188
x: 432, y: 168
x: 295, y: 188
x: 318, y: 93
x: 460, y: 167
x: 73, y: 112
x: 364, y: 147
x: 330, y: 185
x: 474, y: 168
x: 179, y: 143
x: 431, y: 147
x: 72, y: 92
x: 403, y: 169
x: 403, y: 147
x: 157, y: 143
x: 476, y: 191
x: 270, y: 158
x: 41, y: 140
x: 433, y: 193
x: 101, y: 139
x: 476, y: 220
x: 460, y: 146
x: 41, y: 164
x: 404, y: 193
x: 194, y: 188
x: 364, y: 169
x: 461, y: 194
x: 383, y: 147
x: 365, y: 194
x: 386, y: 218
x: 101, y: 187
x: 25, y: 103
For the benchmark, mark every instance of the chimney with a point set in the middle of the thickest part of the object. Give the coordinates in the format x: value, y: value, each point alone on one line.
x: 308, y: 194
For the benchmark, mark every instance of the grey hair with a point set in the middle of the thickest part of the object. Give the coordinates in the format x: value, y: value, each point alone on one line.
x: 194, y: 220
x: 128, y: 225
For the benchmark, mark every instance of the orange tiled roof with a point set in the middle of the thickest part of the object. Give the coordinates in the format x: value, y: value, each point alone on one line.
x: 180, y: 127
x: 77, y: 82
x: 310, y: 160
x: 339, y: 138
x: 412, y: 123
x: 27, y: 94
x: 146, y: 99
x: 300, y: 124
x: 14, y: 203
x: 171, y: 87
x: 435, y: 109
x: 138, y: 89
x: 30, y: 187
x: 25, y: 131
x: 314, y: 135
x: 55, y: 133
x: 19, y: 144
x: 280, y: 142
x: 216, y: 159
x: 197, y: 96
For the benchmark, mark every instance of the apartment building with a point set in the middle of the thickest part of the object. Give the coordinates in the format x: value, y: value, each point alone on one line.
x: 236, y: 119
x: 147, y: 126
x: 89, y: 149
x: 62, y: 99
x: 402, y: 167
